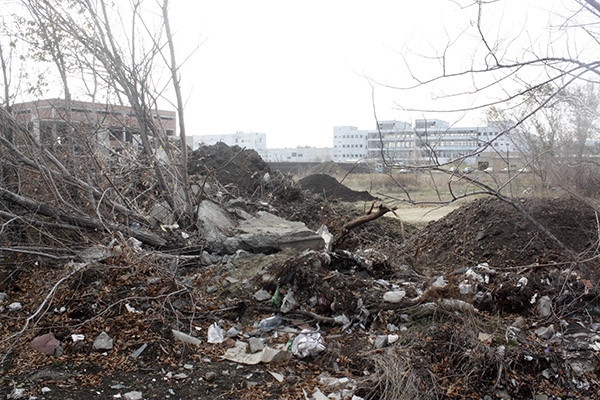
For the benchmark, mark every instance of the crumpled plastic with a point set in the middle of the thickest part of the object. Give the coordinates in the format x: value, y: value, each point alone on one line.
x: 216, y: 334
x: 308, y: 343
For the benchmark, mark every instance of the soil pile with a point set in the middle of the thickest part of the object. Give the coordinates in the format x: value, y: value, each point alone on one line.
x: 492, y: 231
x: 329, y: 187
x: 241, y: 172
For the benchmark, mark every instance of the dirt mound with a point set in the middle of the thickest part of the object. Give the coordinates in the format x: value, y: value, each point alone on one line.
x: 241, y: 172
x: 331, y: 188
x: 492, y: 231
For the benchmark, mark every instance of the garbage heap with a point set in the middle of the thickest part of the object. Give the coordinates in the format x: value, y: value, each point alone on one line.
x: 272, y: 299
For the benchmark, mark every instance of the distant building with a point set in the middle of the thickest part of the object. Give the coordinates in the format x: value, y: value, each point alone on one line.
x: 253, y: 141
x: 428, y: 141
x: 349, y: 144
x: 111, y: 125
x: 299, y: 154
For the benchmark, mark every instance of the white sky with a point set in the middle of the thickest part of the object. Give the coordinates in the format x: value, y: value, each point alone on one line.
x: 292, y: 69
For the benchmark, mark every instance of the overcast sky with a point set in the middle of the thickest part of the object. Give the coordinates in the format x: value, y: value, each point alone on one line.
x: 294, y: 70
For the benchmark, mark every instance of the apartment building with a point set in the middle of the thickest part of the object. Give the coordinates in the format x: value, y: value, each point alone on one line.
x: 349, y: 144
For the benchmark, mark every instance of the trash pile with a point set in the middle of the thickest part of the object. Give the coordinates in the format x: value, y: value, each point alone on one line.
x: 265, y: 301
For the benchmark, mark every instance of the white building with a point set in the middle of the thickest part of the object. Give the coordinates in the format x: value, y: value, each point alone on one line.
x: 349, y: 144
x: 299, y: 154
x: 253, y: 141
x: 435, y: 141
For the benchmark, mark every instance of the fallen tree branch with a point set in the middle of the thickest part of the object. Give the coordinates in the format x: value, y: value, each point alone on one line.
x: 381, y: 210
x: 82, y: 221
x: 310, y: 314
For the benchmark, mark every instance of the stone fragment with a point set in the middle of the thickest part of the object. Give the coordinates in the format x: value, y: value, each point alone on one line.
x: 210, y: 376
x: 46, y: 343
x: 544, y: 307
x: 13, y: 307
x: 381, y: 341
x: 256, y: 344
x: 103, y: 342
x: 262, y: 295
x: 133, y: 395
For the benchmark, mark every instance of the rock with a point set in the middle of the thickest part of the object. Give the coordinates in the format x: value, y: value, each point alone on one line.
x: 46, y: 389
x: 46, y: 344
x: 540, y: 397
x: 262, y: 295
x: 103, y: 342
x: 133, y: 395
x: 256, y: 344
x: 180, y: 376
x: 545, y: 332
x: 182, y: 337
x: 232, y: 332
x: 210, y: 376
x: 16, y: 306
x: 544, y: 307
x: 519, y: 323
x: 394, y: 297
x: 189, y: 367
x: 381, y: 341
x: 3, y: 296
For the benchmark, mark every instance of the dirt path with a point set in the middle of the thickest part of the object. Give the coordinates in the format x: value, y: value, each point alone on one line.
x: 420, y: 215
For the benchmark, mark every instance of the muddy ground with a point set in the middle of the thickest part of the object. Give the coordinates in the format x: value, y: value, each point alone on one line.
x: 480, y: 304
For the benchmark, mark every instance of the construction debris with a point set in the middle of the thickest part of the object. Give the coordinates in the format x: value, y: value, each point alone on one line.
x: 476, y: 305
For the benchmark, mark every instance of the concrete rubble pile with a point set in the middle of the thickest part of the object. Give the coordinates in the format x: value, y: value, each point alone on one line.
x: 262, y: 306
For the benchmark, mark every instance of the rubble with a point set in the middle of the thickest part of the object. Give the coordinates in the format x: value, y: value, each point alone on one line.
x: 476, y: 305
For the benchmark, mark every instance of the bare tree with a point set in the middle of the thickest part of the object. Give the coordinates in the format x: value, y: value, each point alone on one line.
x: 91, y: 188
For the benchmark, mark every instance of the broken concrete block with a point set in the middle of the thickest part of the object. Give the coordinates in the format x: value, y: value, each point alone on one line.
x: 266, y: 232
x: 214, y: 222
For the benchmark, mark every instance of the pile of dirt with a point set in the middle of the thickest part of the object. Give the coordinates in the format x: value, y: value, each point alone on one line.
x: 492, y: 231
x: 239, y: 171
x: 329, y: 187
